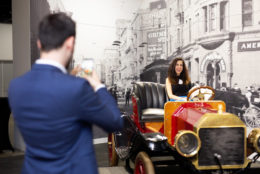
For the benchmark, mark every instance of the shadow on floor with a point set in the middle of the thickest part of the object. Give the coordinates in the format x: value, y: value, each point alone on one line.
x: 11, y: 164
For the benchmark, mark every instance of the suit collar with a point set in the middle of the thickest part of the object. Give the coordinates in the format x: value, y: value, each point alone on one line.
x: 51, y: 63
x: 44, y: 67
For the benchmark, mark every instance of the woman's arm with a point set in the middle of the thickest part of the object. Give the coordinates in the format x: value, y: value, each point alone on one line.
x: 169, y: 90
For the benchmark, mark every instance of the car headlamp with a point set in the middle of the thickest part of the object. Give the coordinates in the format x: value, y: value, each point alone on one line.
x: 254, y: 139
x: 187, y: 143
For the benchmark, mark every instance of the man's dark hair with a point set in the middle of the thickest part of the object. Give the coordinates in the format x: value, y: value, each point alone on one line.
x: 54, y: 29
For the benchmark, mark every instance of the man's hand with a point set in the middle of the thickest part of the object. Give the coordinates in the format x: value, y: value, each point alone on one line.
x: 93, y: 79
x: 75, y: 70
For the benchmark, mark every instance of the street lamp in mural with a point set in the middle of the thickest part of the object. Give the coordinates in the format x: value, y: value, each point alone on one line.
x: 143, y: 44
x: 116, y: 43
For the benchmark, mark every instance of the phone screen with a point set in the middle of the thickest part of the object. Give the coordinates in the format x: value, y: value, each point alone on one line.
x: 87, y: 65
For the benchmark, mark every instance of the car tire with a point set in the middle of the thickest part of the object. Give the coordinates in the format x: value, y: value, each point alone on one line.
x: 143, y: 164
x: 112, y: 155
x: 252, y: 117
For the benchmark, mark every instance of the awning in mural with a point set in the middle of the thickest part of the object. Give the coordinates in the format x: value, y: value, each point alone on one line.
x: 212, y: 45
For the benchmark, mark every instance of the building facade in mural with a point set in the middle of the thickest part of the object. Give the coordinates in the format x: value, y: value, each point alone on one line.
x: 218, y: 39
x: 110, y: 65
x: 140, y: 42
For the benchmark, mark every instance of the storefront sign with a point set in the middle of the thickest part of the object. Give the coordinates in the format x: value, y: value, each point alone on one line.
x: 248, y: 46
x: 156, y: 43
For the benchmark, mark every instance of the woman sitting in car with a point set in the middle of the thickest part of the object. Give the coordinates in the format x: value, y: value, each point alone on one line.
x: 178, y: 81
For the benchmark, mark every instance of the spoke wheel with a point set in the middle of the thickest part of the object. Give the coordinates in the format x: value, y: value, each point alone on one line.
x: 112, y: 155
x: 143, y: 164
x: 252, y: 117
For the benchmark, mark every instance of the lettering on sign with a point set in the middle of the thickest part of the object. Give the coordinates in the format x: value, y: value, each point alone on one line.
x: 248, y: 46
x: 156, y: 43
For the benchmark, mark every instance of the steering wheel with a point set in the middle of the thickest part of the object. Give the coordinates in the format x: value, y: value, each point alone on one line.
x: 201, y: 93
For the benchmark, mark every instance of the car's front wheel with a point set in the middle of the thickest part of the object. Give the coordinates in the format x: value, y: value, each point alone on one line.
x: 143, y: 164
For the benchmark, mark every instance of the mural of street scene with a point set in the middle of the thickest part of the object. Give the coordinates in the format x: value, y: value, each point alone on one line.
x: 136, y: 40
x: 218, y: 39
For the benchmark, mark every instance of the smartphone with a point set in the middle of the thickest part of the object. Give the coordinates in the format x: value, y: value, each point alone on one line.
x: 87, y: 65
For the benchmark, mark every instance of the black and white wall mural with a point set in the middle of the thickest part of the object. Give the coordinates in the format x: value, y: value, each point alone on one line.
x: 218, y: 39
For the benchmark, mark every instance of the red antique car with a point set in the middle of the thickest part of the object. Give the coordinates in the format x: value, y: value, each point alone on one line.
x: 197, y: 134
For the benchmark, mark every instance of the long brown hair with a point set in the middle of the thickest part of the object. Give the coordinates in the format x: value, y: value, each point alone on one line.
x: 172, y: 76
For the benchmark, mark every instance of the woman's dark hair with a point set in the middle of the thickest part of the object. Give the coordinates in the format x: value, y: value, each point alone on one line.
x: 172, y: 76
x: 54, y: 29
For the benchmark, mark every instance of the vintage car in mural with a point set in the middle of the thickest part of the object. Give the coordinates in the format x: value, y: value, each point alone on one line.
x: 197, y: 135
x: 238, y: 104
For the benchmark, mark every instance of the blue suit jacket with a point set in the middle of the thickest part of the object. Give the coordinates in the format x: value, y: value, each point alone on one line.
x: 54, y: 112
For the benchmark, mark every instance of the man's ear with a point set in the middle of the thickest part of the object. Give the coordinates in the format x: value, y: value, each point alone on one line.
x: 70, y: 42
x: 39, y: 45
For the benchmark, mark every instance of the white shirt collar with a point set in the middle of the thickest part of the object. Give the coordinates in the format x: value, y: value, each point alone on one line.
x: 52, y: 63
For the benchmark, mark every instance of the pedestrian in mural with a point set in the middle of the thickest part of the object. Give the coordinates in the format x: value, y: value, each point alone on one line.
x: 254, y: 95
x: 236, y: 88
x: 178, y: 81
x: 257, y: 98
x: 127, y: 96
x: 258, y: 90
x: 248, y: 94
x: 114, y: 92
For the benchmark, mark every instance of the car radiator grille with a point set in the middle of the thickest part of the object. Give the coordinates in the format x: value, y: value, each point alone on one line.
x: 227, y: 142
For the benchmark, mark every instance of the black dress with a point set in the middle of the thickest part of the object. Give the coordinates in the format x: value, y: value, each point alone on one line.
x: 181, y: 89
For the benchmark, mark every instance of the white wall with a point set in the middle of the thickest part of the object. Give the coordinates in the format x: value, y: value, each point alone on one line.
x: 6, y: 46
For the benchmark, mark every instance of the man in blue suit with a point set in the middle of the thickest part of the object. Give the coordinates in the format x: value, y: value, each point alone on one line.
x: 55, y: 111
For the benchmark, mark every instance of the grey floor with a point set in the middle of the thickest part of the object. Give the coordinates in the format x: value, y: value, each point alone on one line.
x: 11, y: 162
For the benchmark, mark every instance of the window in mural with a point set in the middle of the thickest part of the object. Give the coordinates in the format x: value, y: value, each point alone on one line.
x: 223, y: 13
x: 212, y: 15
x: 178, y: 4
x: 189, y: 29
x: 181, y: 18
x: 247, y: 12
x: 170, y: 43
x: 205, y: 19
x: 170, y: 17
x: 179, y: 36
